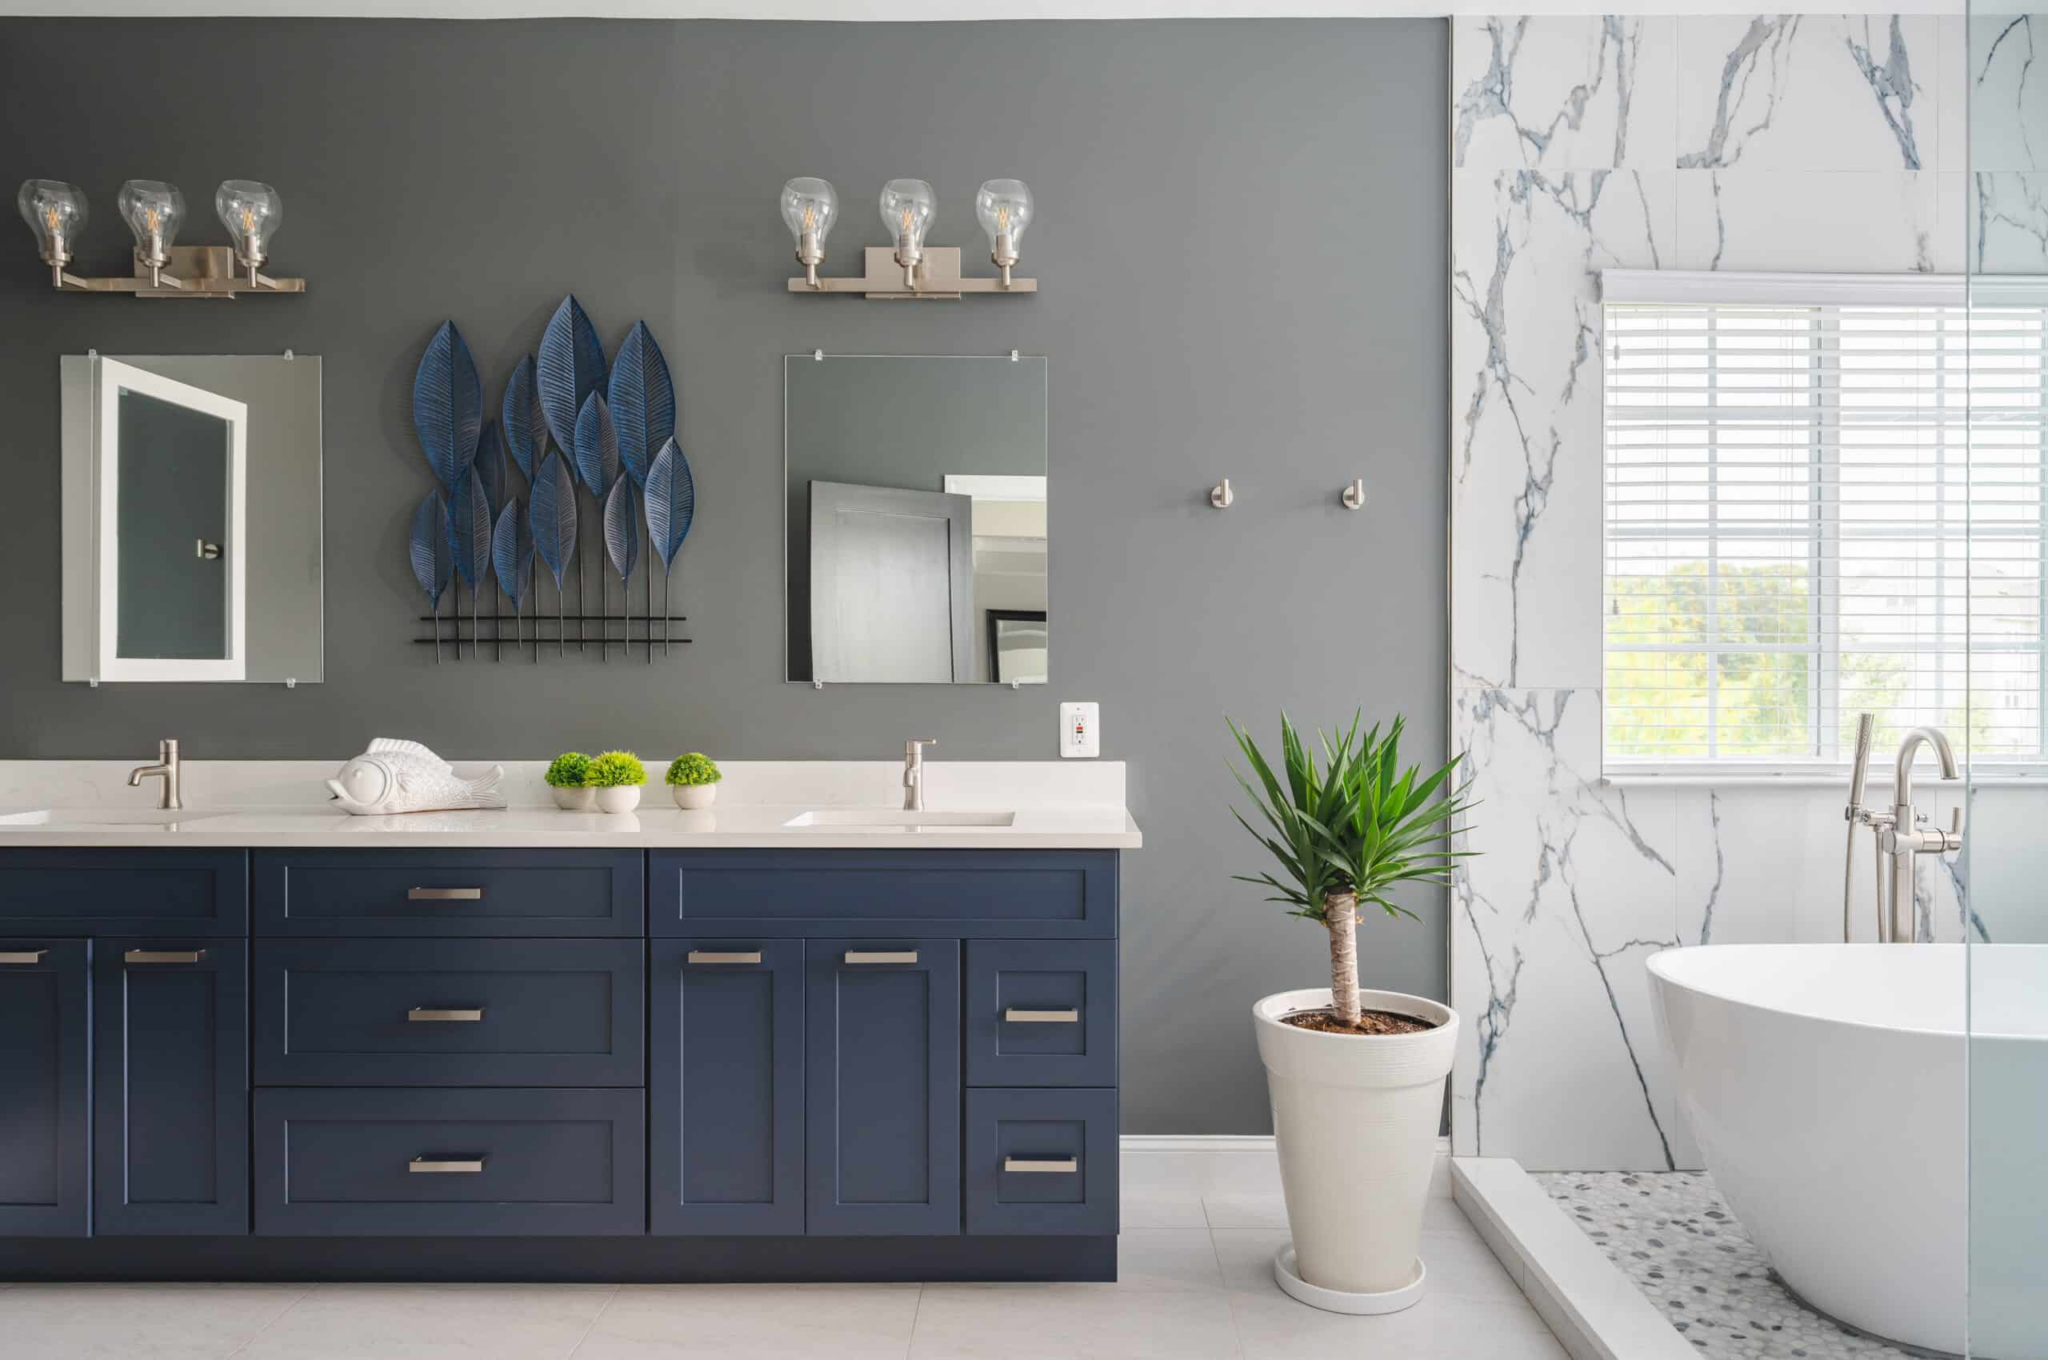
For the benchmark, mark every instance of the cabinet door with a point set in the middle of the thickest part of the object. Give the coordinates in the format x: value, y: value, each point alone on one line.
x: 727, y: 1127
x: 882, y: 1061
x: 44, y: 1133
x: 171, y: 1087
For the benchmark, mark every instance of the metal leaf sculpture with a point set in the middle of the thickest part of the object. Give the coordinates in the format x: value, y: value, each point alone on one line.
x: 622, y: 529
x: 469, y: 530
x: 447, y: 405
x: 671, y: 502
x: 492, y: 469
x: 554, y: 515
x: 432, y: 560
x: 568, y: 369
x: 671, y: 505
x: 526, y: 426
x: 512, y: 550
x: 642, y: 400
x: 597, y: 447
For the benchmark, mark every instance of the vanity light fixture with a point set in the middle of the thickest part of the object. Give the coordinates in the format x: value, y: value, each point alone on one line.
x: 154, y: 211
x: 908, y: 268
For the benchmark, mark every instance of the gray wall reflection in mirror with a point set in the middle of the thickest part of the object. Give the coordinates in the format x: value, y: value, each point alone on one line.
x: 915, y: 497
x: 173, y: 515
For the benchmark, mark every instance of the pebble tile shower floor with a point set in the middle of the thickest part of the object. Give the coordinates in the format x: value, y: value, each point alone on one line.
x: 1672, y: 1234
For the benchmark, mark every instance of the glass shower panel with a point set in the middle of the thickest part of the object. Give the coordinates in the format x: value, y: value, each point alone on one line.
x: 2002, y: 870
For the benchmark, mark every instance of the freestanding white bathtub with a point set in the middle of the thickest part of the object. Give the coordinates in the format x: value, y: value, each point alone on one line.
x: 1826, y: 1085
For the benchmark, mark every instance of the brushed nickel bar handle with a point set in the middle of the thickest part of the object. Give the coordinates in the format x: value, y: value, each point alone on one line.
x: 163, y: 956
x: 881, y: 956
x: 423, y: 1166
x: 444, y: 894
x: 714, y: 956
x: 1064, y: 1166
x: 1017, y: 1017
x: 465, y: 1016
x: 24, y: 956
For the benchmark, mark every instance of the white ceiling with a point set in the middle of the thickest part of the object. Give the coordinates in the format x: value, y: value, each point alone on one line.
x: 904, y: 10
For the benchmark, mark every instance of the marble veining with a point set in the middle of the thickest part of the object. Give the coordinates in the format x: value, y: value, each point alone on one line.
x: 1756, y: 67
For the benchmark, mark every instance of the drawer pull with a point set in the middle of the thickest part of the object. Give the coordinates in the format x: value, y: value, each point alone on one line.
x: 1017, y: 1017
x: 163, y: 956
x: 444, y: 894
x: 429, y: 1013
x: 714, y: 956
x: 1064, y: 1166
x: 427, y: 1166
x: 24, y: 956
x: 881, y: 956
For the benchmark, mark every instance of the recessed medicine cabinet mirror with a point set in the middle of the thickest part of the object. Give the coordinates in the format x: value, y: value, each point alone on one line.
x: 915, y: 490
x: 191, y: 518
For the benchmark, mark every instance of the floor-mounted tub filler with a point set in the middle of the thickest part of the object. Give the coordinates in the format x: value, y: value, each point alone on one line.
x: 1828, y: 1088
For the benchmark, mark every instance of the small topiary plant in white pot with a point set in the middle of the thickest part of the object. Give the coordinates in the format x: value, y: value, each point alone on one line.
x: 693, y: 780
x: 1356, y: 1078
x: 568, y: 778
x: 617, y: 777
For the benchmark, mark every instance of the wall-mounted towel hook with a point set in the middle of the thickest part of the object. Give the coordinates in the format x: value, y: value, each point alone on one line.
x: 1220, y: 495
x: 818, y: 355
x: 1354, y: 494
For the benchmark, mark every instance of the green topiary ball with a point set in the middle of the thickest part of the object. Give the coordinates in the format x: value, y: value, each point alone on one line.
x: 616, y: 769
x: 692, y: 769
x: 569, y: 770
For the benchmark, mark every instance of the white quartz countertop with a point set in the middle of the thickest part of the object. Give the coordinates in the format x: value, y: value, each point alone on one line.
x: 271, y: 805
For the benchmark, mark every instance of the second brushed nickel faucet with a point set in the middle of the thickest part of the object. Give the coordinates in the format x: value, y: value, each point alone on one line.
x: 166, y: 769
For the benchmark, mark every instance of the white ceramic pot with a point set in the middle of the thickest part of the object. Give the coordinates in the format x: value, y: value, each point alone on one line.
x: 574, y: 800
x: 1355, y: 1117
x: 618, y: 798
x: 694, y: 797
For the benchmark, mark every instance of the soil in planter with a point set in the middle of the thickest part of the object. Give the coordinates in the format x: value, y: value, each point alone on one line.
x: 1369, y: 1022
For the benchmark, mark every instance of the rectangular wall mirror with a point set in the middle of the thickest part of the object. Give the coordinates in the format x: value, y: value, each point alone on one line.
x: 191, y: 518
x: 915, y: 492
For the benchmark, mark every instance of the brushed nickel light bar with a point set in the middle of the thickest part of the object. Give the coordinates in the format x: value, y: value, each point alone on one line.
x: 909, y: 270
x: 56, y: 213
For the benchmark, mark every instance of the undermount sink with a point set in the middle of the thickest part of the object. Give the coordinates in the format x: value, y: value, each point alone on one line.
x: 99, y: 818
x: 893, y: 819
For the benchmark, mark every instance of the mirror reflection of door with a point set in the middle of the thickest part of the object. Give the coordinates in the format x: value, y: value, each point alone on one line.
x: 892, y: 584
x: 171, y: 476
x: 172, y: 491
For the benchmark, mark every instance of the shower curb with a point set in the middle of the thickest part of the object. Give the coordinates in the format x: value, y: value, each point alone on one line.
x: 1596, y: 1312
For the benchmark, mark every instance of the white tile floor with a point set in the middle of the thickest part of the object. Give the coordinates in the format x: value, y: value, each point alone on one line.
x: 1196, y: 1282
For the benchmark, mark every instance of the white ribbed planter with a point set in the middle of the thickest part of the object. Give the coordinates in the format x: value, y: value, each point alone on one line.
x: 1355, y: 1117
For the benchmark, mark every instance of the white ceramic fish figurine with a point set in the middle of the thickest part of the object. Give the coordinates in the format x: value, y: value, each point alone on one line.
x: 404, y: 776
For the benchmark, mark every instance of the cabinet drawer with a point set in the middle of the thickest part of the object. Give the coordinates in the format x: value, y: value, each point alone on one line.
x: 450, y: 892
x: 1041, y: 1013
x: 362, y: 1162
x: 450, y: 1013
x: 124, y: 892
x: 961, y: 893
x: 1041, y: 1161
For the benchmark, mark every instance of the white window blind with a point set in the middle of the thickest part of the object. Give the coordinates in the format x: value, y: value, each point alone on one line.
x: 1819, y: 510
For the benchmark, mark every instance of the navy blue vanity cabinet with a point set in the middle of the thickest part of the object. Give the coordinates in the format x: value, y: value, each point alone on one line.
x: 726, y: 1090
x: 883, y: 1060
x: 44, y: 1133
x: 1042, y: 1161
x: 492, y: 893
x: 170, y: 1087
x: 124, y: 892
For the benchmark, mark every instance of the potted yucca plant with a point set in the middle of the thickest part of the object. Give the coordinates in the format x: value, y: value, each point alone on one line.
x: 1356, y: 1078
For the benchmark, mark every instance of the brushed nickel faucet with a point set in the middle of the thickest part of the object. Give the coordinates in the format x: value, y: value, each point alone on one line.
x: 166, y: 769
x: 1903, y: 832
x: 913, y: 772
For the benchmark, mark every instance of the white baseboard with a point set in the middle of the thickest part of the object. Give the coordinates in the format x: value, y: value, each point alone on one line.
x: 1166, y: 1165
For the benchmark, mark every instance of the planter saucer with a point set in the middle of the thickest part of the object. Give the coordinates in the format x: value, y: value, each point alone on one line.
x: 1336, y: 1300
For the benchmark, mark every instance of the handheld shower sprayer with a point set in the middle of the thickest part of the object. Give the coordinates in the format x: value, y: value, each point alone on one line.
x: 1853, y: 814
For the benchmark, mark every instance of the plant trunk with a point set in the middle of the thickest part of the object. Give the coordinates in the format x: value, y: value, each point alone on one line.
x: 1340, y: 914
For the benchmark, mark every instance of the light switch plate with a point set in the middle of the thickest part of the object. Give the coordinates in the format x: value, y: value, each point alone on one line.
x: 1080, y: 730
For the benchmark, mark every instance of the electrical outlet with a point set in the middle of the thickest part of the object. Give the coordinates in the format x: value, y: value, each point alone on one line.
x: 1080, y: 730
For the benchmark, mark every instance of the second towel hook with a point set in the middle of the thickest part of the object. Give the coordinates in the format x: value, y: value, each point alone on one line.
x: 1354, y: 494
x: 1220, y: 495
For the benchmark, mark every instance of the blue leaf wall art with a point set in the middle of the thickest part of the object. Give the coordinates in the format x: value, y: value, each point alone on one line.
x: 447, y: 405
x: 643, y: 402
x: 512, y: 562
x: 469, y: 530
x: 671, y: 505
x: 568, y: 369
x: 554, y: 527
x: 525, y: 424
x: 432, y: 557
x: 493, y: 469
x: 622, y: 529
x: 597, y: 447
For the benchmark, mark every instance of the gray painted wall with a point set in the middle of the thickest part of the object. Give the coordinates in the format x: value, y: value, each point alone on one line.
x: 1242, y: 251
